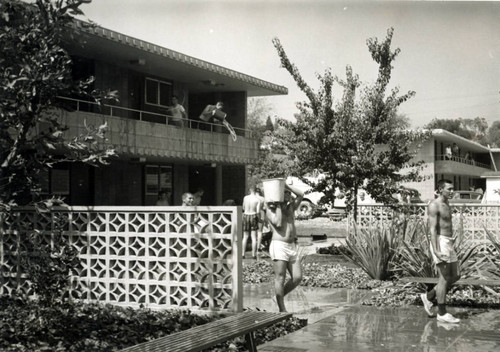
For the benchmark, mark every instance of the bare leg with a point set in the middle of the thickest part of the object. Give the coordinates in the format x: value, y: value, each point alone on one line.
x: 245, y: 241
x: 253, y: 233
x: 295, y: 270
x: 280, y: 268
x: 259, y: 239
x: 442, y: 285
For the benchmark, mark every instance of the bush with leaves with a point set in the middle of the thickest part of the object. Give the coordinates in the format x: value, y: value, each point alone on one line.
x: 35, y: 70
x: 77, y: 326
x: 373, y: 248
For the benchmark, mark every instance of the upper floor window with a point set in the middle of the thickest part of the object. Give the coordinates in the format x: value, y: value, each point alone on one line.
x: 158, y: 92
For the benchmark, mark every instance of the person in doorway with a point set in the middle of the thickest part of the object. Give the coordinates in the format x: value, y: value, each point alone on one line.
x: 187, y: 199
x: 443, y: 252
x: 178, y: 113
x: 197, y: 196
x: 283, y: 249
x: 251, y: 215
x: 163, y: 199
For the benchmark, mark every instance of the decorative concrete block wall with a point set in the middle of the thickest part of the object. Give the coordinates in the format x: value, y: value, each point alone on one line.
x: 157, y: 257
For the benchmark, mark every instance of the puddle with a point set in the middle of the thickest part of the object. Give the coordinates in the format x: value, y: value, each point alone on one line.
x: 305, y: 302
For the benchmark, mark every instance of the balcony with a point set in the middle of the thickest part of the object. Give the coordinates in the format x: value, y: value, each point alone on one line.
x: 140, y: 133
x: 452, y: 164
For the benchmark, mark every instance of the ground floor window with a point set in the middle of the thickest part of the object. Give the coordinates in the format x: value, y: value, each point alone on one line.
x: 158, y: 179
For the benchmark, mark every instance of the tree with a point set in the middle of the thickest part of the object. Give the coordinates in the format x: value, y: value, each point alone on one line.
x: 35, y: 71
x: 352, y: 142
x: 494, y: 134
x: 471, y: 129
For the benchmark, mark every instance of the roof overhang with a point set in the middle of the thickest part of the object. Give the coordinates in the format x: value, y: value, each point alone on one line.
x: 199, y: 76
x: 447, y: 136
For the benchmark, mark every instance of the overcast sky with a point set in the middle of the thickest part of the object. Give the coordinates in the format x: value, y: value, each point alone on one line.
x: 450, y: 51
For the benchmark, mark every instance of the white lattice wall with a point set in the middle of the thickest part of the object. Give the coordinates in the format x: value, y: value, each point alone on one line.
x: 473, y: 219
x: 159, y: 257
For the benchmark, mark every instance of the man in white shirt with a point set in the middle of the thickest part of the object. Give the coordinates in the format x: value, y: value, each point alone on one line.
x: 178, y: 113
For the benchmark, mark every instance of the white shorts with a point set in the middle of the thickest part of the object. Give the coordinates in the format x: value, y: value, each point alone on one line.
x: 279, y: 250
x: 446, y: 248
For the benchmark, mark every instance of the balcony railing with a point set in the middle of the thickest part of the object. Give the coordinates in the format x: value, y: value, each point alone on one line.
x: 141, y: 115
x: 462, y: 160
x: 159, y: 257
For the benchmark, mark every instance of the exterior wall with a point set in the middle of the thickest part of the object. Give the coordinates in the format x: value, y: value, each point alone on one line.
x: 120, y: 183
x: 492, y: 187
x: 233, y: 183
x: 425, y: 187
x: 160, y: 258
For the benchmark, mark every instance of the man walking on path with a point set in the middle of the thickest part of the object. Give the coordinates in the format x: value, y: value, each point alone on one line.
x: 283, y: 248
x: 443, y: 252
x: 251, y: 216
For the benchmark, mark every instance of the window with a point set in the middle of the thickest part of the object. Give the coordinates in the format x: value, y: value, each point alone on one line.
x: 55, y: 181
x: 158, y: 179
x: 158, y: 92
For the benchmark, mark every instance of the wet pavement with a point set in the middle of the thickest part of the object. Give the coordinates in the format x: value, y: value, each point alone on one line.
x: 364, y: 328
x: 338, y: 322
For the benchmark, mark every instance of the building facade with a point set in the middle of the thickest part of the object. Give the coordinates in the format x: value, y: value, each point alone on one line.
x: 154, y: 154
x: 449, y: 156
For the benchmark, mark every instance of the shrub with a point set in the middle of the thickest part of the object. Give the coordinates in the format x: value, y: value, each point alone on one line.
x: 76, y: 326
x: 333, y: 250
x: 373, y: 248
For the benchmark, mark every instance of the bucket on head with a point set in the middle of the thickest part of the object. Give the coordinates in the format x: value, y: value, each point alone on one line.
x: 274, y: 189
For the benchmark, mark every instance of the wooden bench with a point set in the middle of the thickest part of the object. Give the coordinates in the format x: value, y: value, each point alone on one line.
x: 434, y: 280
x: 207, y: 335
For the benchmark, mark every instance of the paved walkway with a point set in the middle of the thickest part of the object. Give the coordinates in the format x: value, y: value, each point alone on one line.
x: 364, y: 328
x: 338, y: 322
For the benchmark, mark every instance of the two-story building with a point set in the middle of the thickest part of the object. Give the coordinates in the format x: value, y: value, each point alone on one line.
x: 449, y: 156
x: 153, y: 154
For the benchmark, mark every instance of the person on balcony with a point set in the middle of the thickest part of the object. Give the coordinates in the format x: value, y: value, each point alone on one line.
x: 212, y: 113
x: 179, y: 116
x: 283, y: 249
x: 442, y: 251
x: 447, y: 152
x: 455, y: 150
x: 163, y: 199
x: 197, y: 196
x: 187, y: 199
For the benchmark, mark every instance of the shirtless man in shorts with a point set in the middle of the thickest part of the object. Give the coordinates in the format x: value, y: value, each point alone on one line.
x: 283, y: 248
x: 251, y: 216
x: 442, y: 251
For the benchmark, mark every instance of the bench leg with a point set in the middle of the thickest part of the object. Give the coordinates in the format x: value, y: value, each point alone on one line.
x: 251, y: 345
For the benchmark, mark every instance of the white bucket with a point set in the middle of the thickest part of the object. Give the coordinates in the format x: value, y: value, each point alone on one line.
x: 274, y: 189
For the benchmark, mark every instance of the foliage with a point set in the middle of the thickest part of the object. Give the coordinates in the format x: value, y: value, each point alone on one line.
x: 373, y: 249
x: 493, y: 259
x: 36, y: 70
x: 398, y: 295
x: 494, y: 134
x: 48, y: 267
x: 354, y: 142
x: 76, y: 326
x: 471, y: 129
x: 330, y: 275
x: 333, y: 249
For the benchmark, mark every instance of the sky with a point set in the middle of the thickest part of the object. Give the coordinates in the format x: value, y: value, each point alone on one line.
x: 450, y: 51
